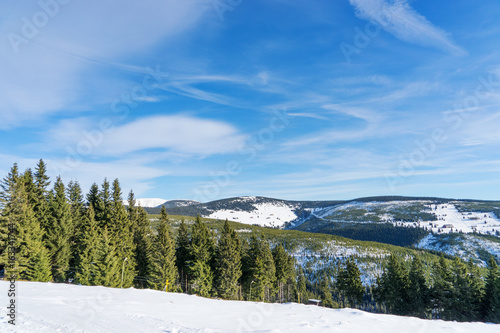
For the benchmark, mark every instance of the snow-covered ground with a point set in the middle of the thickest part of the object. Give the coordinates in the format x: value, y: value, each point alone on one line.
x: 449, y: 218
x: 46, y: 307
x: 265, y: 214
x: 369, y: 206
x: 465, y: 246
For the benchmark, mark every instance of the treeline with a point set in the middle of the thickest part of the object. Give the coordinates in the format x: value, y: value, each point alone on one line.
x: 375, y: 232
x: 61, y: 235
x: 455, y: 291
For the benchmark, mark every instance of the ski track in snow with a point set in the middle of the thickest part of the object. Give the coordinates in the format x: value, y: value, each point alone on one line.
x: 48, y: 307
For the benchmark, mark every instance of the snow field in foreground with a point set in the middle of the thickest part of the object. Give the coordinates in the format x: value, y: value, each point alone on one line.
x: 48, y: 307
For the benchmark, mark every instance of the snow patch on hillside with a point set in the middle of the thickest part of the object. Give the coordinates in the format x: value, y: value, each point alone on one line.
x: 449, y: 218
x: 267, y: 214
x: 369, y: 206
x: 48, y: 307
x: 465, y: 246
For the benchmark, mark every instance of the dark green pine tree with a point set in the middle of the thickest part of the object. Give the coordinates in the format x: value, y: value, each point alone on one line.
x: 164, y: 271
x: 78, y: 216
x: 301, y: 286
x: 202, y: 252
x: 285, y: 270
x: 28, y: 235
x: 39, y: 267
x: 7, y: 188
x: 418, y: 290
x: 228, y: 264
x: 42, y: 182
x: 103, y: 205
x: 8, y: 185
x: 491, y: 301
x: 122, y: 231
x: 466, y: 298
x: 260, y: 270
x: 109, y: 265
x: 142, y: 242
x: 88, y: 250
x: 93, y: 198
x: 60, y: 232
x: 183, y: 254
x: 476, y: 289
x: 29, y: 188
x: 349, y: 283
x: 442, y: 290
x: 392, y: 287
x: 326, y: 293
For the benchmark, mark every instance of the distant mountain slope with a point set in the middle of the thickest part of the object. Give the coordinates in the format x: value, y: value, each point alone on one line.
x: 158, y: 203
x: 403, y: 221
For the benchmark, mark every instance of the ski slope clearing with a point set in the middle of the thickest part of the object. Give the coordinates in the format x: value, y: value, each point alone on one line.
x: 47, y: 307
x: 449, y: 218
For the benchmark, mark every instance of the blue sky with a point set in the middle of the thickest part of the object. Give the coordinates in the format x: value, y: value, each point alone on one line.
x: 207, y: 99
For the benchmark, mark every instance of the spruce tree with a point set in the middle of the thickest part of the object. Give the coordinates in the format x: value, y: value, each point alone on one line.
x: 142, y: 241
x: 285, y: 270
x: 442, y: 290
x: 26, y: 235
x: 392, y: 287
x: 88, y: 251
x: 8, y: 185
x: 349, y: 282
x: 418, y: 291
x: 109, y: 264
x: 201, y: 253
x: 163, y: 264
x: 103, y: 205
x: 260, y: 271
x: 301, y: 286
x: 491, y: 302
x: 29, y: 188
x: 228, y: 264
x: 78, y: 216
x: 182, y: 253
x: 39, y: 268
x: 60, y: 232
x: 326, y: 294
x: 475, y: 293
x: 93, y: 198
x: 42, y: 182
x: 7, y: 226
x: 122, y: 230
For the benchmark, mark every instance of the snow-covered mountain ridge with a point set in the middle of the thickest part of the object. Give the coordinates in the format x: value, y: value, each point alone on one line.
x: 399, y: 221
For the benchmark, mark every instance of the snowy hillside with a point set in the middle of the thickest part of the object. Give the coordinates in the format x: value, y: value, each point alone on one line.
x: 46, y: 307
x: 271, y: 214
x: 471, y: 246
x: 436, y: 217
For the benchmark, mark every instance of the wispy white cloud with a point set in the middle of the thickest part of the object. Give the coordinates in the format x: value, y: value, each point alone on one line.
x: 356, y: 112
x: 47, y: 72
x: 399, y: 19
x: 174, y: 133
